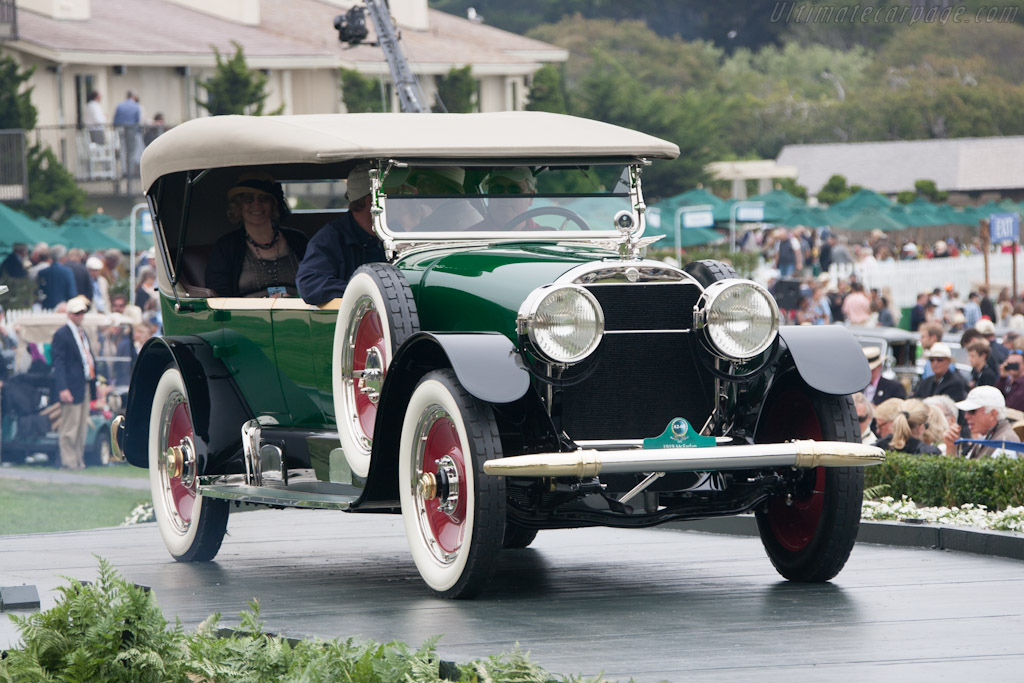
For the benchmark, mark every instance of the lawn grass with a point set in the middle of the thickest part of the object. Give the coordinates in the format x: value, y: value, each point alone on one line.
x: 29, y: 507
x: 116, y: 470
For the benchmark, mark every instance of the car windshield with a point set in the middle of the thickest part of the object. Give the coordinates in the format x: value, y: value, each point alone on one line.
x: 484, y: 200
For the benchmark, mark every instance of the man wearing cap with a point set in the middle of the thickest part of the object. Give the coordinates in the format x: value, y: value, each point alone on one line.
x: 985, y: 409
x: 100, y: 287
x: 74, y: 370
x: 341, y: 246
x: 988, y: 330
x: 945, y: 379
x: 512, y: 191
x: 879, y: 388
x: 450, y: 212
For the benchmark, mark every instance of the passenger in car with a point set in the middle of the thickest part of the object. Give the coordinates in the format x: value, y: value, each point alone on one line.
x: 262, y: 257
x: 341, y: 246
x: 454, y: 213
x: 502, y: 210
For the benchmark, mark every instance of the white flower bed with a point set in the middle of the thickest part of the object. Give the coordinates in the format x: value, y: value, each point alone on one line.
x: 884, y: 509
x: 889, y: 509
x: 141, y: 513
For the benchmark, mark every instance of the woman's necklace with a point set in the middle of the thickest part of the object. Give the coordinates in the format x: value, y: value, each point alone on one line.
x: 268, y: 245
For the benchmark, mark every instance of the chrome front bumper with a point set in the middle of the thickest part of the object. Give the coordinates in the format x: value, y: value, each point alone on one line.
x: 591, y: 462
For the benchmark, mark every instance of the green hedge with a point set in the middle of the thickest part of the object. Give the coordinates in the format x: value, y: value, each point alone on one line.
x: 938, y: 481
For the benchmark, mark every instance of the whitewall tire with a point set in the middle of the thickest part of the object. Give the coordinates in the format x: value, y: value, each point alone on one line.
x: 453, y: 513
x: 192, y: 527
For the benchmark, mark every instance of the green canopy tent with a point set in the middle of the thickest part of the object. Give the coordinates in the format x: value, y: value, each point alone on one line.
x: 779, y: 199
x: 810, y: 216
x: 695, y: 197
x: 80, y: 232
x: 867, y: 219
x: 16, y: 227
x: 862, y: 199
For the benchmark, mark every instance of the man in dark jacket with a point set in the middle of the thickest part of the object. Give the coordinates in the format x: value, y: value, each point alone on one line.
x: 56, y: 282
x: 945, y: 378
x: 74, y: 369
x: 14, y: 265
x: 879, y: 388
x: 341, y: 246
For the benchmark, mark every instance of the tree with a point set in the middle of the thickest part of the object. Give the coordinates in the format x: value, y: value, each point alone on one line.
x: 16, y: 110
x: 456, y: 91
x: 547, y: 92
x: 835, y: 190
x: 359, y: 93
x: 234, y: 89
x: 929, y: 190
x: 51, y: 189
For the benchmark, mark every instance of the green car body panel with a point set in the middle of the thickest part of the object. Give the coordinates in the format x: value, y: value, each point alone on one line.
x: 282, y: 358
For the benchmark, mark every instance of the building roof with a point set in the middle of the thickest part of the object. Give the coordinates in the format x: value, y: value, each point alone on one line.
x: 228, y: 141
x: 957, y: 165
x: 296, y: 32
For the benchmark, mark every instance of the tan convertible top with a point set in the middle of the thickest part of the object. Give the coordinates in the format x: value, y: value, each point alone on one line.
x: 227, y: 141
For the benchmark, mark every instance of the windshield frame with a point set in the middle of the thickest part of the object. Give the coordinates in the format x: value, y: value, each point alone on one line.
x: 398, y: 240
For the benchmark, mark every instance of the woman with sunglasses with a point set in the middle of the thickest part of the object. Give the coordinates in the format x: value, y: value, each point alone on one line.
x: 261, y: 258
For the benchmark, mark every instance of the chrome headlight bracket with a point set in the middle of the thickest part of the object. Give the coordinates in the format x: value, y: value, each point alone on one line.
x: 564, y: 323
x: 738, y: 319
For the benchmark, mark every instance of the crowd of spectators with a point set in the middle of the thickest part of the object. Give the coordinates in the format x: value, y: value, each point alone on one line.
x: 91, y: 290
x: 944, y: 403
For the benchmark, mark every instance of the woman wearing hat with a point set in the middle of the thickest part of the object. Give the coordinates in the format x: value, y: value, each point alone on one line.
x: 261, y: 258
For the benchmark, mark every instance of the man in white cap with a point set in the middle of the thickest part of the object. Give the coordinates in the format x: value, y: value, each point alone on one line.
x: 945, y: 378
x: 988, y: 330
x: 100, y: 287
x: 341, y: 246
x: 985, y: 409
x: 74, y: 375
x: 879, y: 388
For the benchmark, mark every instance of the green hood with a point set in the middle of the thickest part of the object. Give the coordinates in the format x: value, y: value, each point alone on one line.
x: 481, y: 289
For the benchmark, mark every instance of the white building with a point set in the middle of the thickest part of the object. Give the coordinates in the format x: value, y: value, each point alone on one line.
x: 967, y: 168
x: 163, y: 50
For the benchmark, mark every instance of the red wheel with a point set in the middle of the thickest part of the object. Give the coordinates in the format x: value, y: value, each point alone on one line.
x: 809, y: 530
x: 192, y: 527
x: 453, y: 513
x: 376, y: 315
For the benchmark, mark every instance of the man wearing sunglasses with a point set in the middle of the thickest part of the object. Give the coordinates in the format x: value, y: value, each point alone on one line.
x: 510, y: 193
x: 985, y: 410
x: 945, y: 378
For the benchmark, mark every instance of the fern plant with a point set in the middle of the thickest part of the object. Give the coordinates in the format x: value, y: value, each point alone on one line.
x: 110, y: 631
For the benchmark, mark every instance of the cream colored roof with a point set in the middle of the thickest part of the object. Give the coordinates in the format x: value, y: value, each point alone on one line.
x: 230, y: 141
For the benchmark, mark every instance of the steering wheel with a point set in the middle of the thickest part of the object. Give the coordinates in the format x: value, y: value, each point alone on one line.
x: 568, y: 214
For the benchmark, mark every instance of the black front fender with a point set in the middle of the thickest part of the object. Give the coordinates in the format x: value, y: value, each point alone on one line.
x: 827, y: 357
x: 215, y: 402
x: 487, y: 366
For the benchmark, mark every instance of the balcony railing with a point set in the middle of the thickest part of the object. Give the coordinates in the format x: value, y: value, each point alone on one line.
x: 8, y: 20
x: 103, y: 159
x: 13, y: 166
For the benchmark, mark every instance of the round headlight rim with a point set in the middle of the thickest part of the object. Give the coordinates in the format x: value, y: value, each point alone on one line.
x: 712, y: 293
x: 528, y: 312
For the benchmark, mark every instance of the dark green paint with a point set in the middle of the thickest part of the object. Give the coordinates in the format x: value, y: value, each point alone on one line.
x: 282, y: 360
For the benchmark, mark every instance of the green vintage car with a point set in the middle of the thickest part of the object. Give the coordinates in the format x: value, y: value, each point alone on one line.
x: 515, y: 365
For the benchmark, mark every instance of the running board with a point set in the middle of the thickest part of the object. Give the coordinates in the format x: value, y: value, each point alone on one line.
x: 590, y: 462
x: 265, y: 495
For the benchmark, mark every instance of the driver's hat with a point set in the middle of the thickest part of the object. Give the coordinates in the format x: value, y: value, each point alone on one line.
x: 520, y: 175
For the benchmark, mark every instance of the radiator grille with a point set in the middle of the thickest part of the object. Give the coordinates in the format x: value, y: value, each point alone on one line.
x: 647, y: 307
x: 642, y: 380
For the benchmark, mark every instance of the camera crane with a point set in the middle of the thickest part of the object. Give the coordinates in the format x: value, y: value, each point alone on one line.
x: 352, y: 31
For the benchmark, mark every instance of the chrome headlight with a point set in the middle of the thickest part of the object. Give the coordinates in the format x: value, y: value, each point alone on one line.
x: 739, y: 318
x: 565, y: 323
